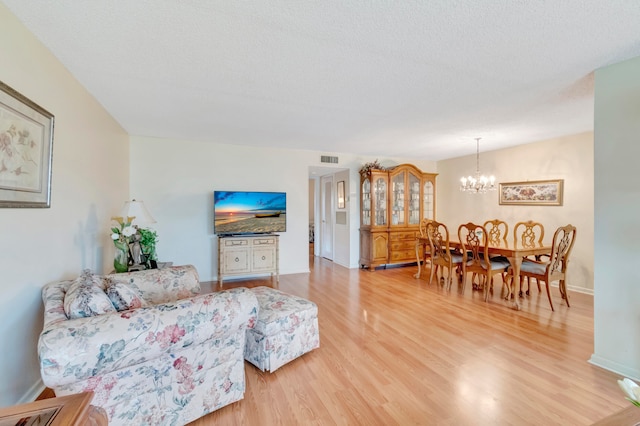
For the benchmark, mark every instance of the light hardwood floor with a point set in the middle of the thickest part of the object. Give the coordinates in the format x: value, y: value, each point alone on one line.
x: 395, y: 350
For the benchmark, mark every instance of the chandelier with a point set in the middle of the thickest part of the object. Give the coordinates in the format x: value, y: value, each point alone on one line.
x: 479, y: 183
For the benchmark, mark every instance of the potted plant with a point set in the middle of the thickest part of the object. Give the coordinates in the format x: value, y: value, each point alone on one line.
x: 148, y: 240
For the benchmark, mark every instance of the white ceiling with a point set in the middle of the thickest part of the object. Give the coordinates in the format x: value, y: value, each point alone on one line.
x: 379, y: 78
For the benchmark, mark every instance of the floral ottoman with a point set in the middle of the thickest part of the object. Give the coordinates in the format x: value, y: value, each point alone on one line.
x: 287, y: 327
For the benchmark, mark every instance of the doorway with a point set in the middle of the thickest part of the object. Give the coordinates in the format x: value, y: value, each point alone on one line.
x: 326, y: 212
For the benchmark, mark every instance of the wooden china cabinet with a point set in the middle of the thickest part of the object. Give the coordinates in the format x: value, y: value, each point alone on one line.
x: 393, y: 203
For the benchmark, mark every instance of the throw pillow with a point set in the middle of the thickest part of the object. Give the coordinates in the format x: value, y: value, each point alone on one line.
x: 85, y: 297
x: 124, y: 297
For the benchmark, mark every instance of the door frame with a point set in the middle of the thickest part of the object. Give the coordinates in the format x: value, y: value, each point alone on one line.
x: 327, y: 209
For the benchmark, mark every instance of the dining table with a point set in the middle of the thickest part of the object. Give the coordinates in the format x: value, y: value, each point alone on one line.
x: 514, y: 251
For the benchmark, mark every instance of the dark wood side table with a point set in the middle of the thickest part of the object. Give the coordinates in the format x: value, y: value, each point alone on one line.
x: 629, y: 416
x: 71, y: 410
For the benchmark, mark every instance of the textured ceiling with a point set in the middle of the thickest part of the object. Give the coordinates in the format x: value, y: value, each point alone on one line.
x: 379, y: 78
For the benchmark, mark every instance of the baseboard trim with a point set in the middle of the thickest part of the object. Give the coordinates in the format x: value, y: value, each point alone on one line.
x: 579, y: 289
x: 614, y: 367
x: 33, y: 393
x: 573, y: 288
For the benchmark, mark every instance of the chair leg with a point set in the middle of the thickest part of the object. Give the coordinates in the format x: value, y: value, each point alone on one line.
x: 505, y: 288
x: 520, y: 288
x: 431, y: 274
x: 563, y: 291
x: 482, y: 281
x: 447, y: 281
x: 453, y: 272
x: 441, y: 278
x: 488, y: 284
x: 549, y: 296
x: 457, y: 271
x: 529, y: 284
x: 515, y: 288
x: 504, y: 283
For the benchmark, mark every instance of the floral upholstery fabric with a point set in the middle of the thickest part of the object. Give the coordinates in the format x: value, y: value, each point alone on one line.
x: 161, y: 285
x: 124, y: 298
x: 166, y: 364
x: 287, y: 327
x: 85, y: 297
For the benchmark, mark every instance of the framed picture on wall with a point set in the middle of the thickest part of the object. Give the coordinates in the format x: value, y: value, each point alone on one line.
x: 532, y: 193
x: 341, y: 203
x: 26, y: 144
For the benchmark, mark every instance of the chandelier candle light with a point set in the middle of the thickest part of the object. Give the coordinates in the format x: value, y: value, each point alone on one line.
x: 479, y: 183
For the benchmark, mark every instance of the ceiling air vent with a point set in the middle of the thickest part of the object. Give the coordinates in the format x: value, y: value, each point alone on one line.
x: 328, y: 159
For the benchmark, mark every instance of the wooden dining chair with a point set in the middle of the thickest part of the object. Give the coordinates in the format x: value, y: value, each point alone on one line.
x: 441, y: 254
x: 528, y: 234
x: 423, y: 226
x: 476, y: 260
x: 554, y: 269
x: 497, y: 231
x: 426, y: 254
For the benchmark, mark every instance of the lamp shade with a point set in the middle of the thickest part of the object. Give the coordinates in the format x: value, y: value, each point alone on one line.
x: 137, y: 209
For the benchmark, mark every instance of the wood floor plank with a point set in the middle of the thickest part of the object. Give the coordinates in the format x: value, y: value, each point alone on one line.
x: 398, y: 350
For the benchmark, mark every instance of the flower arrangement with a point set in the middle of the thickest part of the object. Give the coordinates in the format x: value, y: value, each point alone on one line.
x: 366, y: 167
x: 122, y: 233
x: 121, y: 236
x: 631, y: 390
x: 134, y: 246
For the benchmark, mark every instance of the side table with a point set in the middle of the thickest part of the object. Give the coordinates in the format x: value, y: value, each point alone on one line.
x: 70, y: 410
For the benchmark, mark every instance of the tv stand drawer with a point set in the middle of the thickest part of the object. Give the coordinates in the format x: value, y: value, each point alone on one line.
x: 235, y: 242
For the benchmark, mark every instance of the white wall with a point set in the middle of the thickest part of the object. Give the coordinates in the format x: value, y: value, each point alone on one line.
x: 176, y: 179
x: 617, y: 210
x: 89, y: 184
x: 569, y: 158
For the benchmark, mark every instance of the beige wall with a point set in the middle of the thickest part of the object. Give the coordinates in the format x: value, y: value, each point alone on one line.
x: 569, y: 158
x: 89, y: 184
x: 617, y: 209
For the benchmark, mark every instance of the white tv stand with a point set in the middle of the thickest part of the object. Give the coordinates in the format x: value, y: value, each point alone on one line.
x: 246, y: 255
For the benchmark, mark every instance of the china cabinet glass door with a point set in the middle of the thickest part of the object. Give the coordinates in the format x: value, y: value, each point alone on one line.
x: 397, y: 201
x: 414, y: 199
x: 366, y: 202
x: 380, y: 199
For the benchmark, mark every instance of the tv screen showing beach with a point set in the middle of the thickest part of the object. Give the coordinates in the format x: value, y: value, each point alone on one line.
x: 238, y: 212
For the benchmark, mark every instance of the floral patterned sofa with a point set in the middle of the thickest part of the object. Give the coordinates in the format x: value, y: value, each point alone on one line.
x: 167, y: 357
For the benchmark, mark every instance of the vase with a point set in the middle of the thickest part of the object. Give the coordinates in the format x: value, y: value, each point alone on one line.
x: 121, y: 260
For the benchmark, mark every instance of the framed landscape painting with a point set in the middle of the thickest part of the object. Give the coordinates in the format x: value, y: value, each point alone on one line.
x: 26, y: 144
x: 532, y: 193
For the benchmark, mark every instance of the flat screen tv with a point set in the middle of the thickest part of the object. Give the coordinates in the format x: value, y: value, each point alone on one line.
x: 237, y: 212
